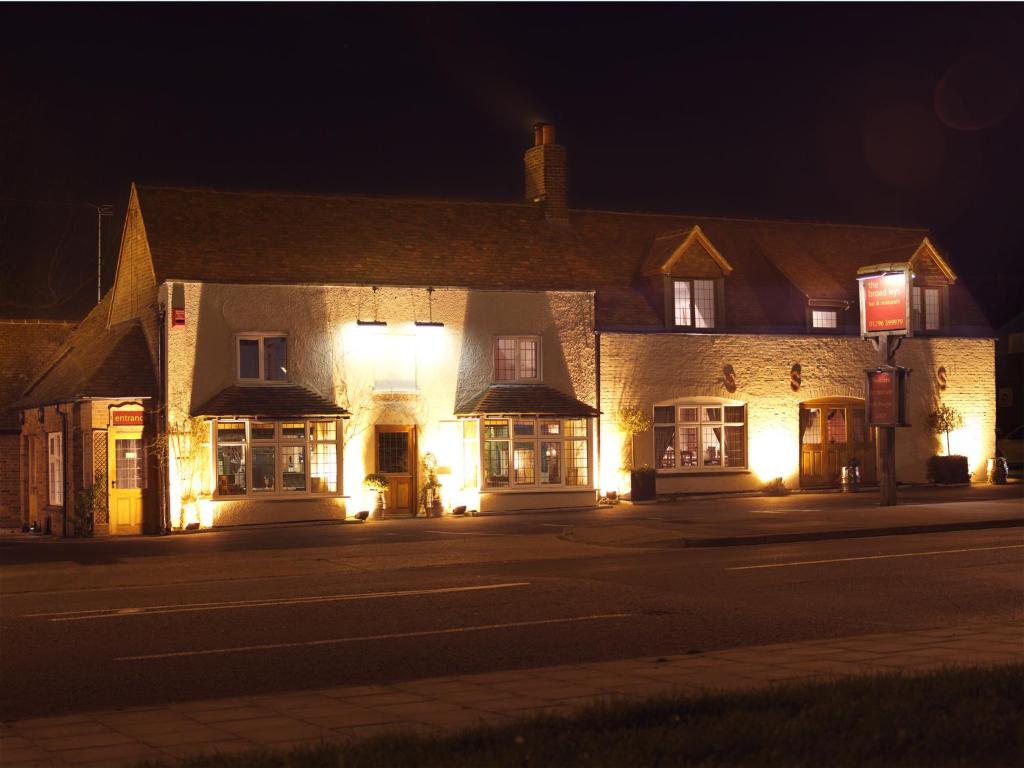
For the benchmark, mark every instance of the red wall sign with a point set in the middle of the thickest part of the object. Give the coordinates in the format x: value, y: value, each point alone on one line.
x: 126, y: 418
x: 885, y: 303
x: 177, y: 317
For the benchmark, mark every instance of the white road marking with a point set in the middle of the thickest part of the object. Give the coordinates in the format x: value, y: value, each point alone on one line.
x: 366, y: 638
x: 107, y: 613
x: 871, y: 557
x: 780, y: 511
x: 552, y: 525
x: 464, y: 533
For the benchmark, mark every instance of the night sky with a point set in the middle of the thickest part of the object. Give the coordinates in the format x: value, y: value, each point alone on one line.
x: 880, y: 114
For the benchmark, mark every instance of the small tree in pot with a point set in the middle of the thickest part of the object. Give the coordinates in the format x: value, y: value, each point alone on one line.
x: 631, y: 422
x: 949, y: 468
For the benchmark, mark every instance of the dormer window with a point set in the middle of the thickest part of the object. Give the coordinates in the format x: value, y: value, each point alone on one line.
x: 825, y: 319
x: 694, y: 303
x: 517, y: 359
x: 262, y: 357
x: 926, y: 315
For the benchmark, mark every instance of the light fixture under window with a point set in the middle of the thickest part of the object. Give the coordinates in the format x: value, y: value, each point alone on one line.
x: 431, y: 323
x: 376, y: 321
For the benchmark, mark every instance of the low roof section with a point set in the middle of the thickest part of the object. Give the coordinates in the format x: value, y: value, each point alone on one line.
x: 96, y: 362
x: 287, y: 238
x: 524, y: 400
x: 26, y: 346
x: 289, y: 401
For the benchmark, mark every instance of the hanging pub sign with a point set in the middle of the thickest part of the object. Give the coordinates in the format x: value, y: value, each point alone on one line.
x: 885, y: 299
x: 886, y: 396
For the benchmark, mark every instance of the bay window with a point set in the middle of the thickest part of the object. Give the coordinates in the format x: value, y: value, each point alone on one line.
x: 523, y: 453
x: 696, y: 435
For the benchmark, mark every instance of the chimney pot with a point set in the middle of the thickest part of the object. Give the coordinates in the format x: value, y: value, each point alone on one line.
x: 543, y: 133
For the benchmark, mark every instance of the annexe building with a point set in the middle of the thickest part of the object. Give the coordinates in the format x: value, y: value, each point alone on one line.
x: 295, y: 344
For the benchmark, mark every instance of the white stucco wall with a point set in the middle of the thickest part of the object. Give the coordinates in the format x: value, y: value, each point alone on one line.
x: 330, y: 354
x: 639, y: 370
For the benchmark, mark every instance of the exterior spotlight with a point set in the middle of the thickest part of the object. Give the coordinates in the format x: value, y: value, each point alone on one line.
x: 431, y: 323
x: 376, y: 321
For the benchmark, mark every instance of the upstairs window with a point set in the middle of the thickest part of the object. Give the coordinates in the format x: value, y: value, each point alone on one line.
x: 925, y: 313
x: 824, y: 318
x: 517, y: 358
x: 262, y: 357
x: 693, y: 303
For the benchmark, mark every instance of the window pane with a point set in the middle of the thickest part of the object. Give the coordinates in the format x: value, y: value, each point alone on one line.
x: 230, y: 469
x: 275, y: 358
x: 576, y: 470
x: 394, y: 363
x: 704, y: 303
x: 811, y: 427
x: 293, y: 462
x: 393, y: 452
x: 527, y: 359
x: 294, y: 430
x: 262, y: 431
x: 505, y: 360
x: 689, y: 449
x: 931, y: 309
x: 824, y: 318
x: 664, y: 447
x: 248, y: 358
x: 735, y: 447
x: 576, y: 428
x: 129, y: 464
x: 664, y: 414
x: 857, y: 429
x: 496, y: 429
x: 550, y: 463
x: 836, y: 421
x: 264, y: 468
x: 230, y: 432
x: 682, y: 302
x: 323, y: 467
x: 323, y: 430
x: 712, y: 440
x: 712, y: 414
x: 688, y: 415
x: 523, y: 428
x: 496, y: 463
x: 915, y: 308
x: 524, y: 463
x: 734, y: 413
x: 551, y: 427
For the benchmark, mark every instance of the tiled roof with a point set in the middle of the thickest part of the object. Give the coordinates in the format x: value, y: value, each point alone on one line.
x: 283, y: 238
x: 523, y: 399
x: 96, y: 361
x: 275, y: 402
x: 25, y: 347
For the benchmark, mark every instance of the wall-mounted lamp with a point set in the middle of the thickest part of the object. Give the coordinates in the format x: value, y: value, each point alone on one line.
x: 376, y: 321
x: 431, y: 323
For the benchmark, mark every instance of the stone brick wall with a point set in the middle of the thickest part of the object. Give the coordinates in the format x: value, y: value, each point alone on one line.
x: 640, y: 370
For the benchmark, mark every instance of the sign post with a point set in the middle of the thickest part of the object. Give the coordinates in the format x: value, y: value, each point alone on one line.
x: 885, y: 300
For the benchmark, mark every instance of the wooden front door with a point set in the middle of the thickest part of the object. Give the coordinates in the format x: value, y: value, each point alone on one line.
x: 395, y: 453
x: 831, y: 434
x: 127, y: 477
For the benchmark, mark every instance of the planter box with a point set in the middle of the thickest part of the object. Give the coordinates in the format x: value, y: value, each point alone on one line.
x: 643, y: 485
x: 948, y: 470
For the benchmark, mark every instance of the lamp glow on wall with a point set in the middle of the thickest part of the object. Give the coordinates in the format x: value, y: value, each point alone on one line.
x: 774, y: 453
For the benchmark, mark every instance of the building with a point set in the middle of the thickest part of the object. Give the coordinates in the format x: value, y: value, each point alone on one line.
x: 295, y: 344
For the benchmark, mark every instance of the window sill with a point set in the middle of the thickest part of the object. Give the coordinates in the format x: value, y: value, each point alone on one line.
x: 280, y: 497
x: 540, y: 489
x: 262, y: 383
x: 702, y: 472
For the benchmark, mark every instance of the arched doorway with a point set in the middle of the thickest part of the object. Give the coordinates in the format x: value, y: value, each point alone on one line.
x: 832, y: 432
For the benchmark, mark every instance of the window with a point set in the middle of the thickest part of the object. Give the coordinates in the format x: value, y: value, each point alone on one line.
x: 55, y: 467
x: 700, y: 435
x: 394, y: 365
x: 926, y: 317
x: 262, y: 357
x: 517, y: 358
x: 694, y: 303
x: 277, y: 457
x: 824, y: 318
x: 532, y: 453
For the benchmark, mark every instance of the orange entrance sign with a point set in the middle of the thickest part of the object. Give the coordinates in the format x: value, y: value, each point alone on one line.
x: 126, y: 418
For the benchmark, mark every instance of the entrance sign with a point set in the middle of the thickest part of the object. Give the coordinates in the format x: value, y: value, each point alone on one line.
x: 885, y: 299
x: 886, y: 396
x: 126, y: 418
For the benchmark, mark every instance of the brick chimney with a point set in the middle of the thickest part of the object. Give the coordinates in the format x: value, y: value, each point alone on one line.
x: 546, y: 174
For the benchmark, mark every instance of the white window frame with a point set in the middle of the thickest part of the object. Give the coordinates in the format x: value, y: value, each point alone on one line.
x: 691, y: 320
x: 678, y: 424
x: 923, y: 320
x: 518, y: 378
x: 260, y: 337
x: 279, y: 442
x: 536, y: 439
x: 819, y: 315
x: 55, y: 468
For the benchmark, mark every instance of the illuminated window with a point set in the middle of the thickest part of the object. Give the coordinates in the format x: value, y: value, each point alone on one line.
x: 925, y: 309
x: 824, y: 318
x: 394, y: 365
x: 693, y: 303
x: 55, y: 467
x: 690, y: 436
x: 520, y: 453
x: 517, y: 358
x: 262, y: 357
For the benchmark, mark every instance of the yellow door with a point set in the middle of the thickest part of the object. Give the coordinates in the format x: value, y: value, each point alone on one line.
x: 127, y: 479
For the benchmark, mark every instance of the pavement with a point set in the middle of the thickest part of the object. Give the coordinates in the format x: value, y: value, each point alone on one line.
x: 446, y: 704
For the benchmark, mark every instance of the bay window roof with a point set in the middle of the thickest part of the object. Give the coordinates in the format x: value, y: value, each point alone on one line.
x: 522, y: 400
x: 272, y: 402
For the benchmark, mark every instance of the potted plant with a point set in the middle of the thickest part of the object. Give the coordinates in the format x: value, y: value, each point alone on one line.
x: 643, y: 483
x: 850, y: 478
x: 377, y: 483
x: 430, y: 493
x: 948, y: 469
x: 631, y: 422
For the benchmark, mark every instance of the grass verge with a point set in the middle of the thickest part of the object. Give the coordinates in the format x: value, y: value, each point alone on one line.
x: 959, y: 716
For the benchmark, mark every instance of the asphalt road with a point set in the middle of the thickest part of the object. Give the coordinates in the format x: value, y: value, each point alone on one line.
x: 158, y: 620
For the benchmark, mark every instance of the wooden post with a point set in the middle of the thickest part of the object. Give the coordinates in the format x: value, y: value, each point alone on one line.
x: 887, y: 437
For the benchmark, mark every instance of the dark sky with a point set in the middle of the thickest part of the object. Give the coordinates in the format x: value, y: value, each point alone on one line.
x: 875, y: 113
